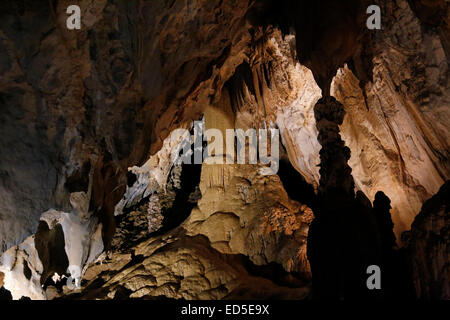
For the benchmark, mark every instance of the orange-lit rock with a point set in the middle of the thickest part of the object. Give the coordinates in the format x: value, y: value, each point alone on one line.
x: 85, y: 125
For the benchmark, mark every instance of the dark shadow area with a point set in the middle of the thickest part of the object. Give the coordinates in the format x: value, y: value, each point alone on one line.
x: 314, y: 23
x: 122, y: 293
x: 50, y: 245
x: 5, y: 294
x: 242, y: 78
x: 26, y: 270
x: 59, y: 284
x: 275, y: 273
x: 295, y: 185
x: 131, y: 178
x: 186, y: 195
x: 79, y: 180
x: 182, y: 190
x: 347, y: 235
x: 108, y: 187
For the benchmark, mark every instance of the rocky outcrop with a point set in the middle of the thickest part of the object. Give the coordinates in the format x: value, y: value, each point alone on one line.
x: 63, y: 244
x: 243, y: 227
x: 394, y: 125
x: 88, y: 188
x: 342, y: 237
x: 328, y: 34
x: 428, y: 247
x: 179, y: 267
x: 22, y: 269
x: 115, y: 86
x: 336, y: 182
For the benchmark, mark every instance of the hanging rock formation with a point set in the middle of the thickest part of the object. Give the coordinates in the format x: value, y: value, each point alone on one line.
x: 428, y: 246
x: 89, y: 191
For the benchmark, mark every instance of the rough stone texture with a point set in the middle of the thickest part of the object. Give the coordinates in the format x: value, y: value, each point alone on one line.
x: 69, y: 122
x: 394, y: 126
x: 131, y: 228
x: 154, y: 216
x: 243, y: 223
x: 118, y: 86
x: 272, y: 89
x: 242, y: 211
x: 328, y: 34
x: 63, y: 244
x: 397, y: 125
x: 428, y: 247
x: 85, y: 118
x: 177, y: 266
x: 12, y: 264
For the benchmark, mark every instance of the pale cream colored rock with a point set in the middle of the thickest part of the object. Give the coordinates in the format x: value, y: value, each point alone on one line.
x: 398, y: 135
x: 389, y: 150
x: 188, y: 268
x: 244, y: 212
x: 12, y: 264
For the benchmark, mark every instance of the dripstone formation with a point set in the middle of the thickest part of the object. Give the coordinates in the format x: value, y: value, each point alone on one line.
x: 89, y: 190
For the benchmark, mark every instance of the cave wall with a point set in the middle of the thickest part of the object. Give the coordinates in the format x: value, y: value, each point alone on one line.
x: 67, y: 128
x: 89, y: 139
x: 428, y: 246
x: 117, y: 85
x: 396, y: 124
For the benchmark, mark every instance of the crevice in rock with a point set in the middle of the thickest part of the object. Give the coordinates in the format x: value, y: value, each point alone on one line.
x: 26, y: 270
x: 184, y: 180
x: 109, y: 185
x: 122, y: 293
x: 131, y: 178
x: 139, y: 70
x: 58, y: 284
x: 79, y: 180
x: 241, y: 79
x: 91, y: 291
x: 295, y: 184
x: 50, y: 245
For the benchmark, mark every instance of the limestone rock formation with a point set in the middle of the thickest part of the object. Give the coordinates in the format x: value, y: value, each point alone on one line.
x: 178, y: 266
x: 63, y: 244
x: 125, y: 59
x: 90, y: 194
x: 395, y: 126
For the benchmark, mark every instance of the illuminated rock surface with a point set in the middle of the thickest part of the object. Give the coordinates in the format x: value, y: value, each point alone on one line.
x: 85, y: 124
